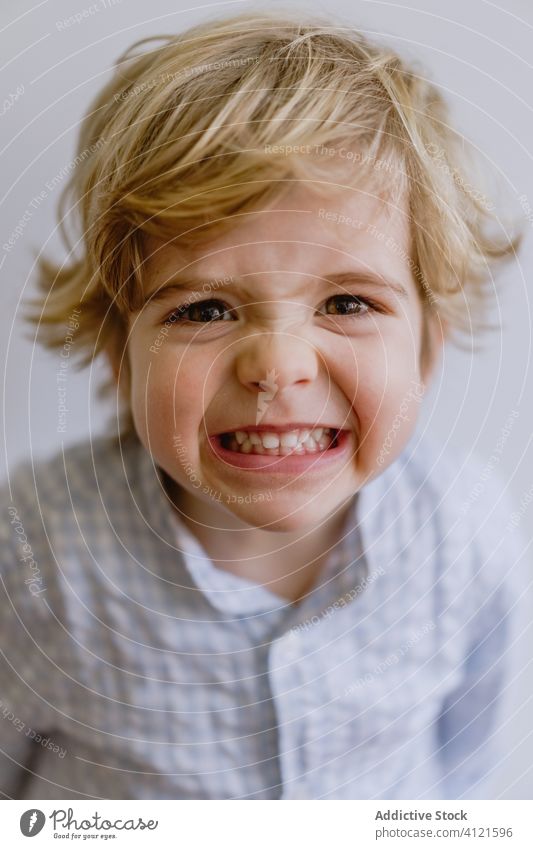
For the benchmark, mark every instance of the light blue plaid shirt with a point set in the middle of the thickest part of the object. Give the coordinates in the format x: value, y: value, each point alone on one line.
x: 134, y: 668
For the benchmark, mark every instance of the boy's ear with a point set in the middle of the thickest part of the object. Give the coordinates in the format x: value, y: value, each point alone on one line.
x: 434, y: 334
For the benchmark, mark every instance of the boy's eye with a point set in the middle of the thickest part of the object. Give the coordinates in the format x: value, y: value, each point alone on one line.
x: 212, y: 310
x: 206, y: 311
x: 350, y: 305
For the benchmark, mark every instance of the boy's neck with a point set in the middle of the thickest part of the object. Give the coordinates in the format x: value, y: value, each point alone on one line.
x: 287, y: 563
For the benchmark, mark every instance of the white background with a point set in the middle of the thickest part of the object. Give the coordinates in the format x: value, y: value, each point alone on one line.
x: 478, y: 52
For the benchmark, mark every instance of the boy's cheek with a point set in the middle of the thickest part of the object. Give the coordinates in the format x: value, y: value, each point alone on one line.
x: 386, y: 404
x: 168, y: 410
x: 396, y: 425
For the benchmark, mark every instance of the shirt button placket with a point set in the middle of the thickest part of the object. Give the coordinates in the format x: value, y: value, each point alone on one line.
x: 289, y: 696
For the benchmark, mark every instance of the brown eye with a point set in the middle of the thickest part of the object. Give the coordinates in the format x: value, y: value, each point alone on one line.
x: 350, y: 305
x: 205, y: 312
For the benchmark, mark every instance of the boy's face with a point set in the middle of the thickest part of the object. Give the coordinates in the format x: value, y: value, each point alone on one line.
x: 301, y: 326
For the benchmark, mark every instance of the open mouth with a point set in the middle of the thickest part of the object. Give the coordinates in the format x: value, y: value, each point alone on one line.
x: 299, y: 441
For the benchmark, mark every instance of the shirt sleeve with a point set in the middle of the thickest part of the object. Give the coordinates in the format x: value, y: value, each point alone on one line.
x: 16, y: 746
x: 22, y: 712
x: 471, y: 727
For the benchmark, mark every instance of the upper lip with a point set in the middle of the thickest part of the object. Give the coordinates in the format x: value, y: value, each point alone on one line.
x: 279, y: 428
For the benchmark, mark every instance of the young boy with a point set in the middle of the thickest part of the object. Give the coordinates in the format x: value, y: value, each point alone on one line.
x: 272, y: 583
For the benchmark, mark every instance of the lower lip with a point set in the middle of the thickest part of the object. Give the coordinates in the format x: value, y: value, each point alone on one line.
x: 285, y: 463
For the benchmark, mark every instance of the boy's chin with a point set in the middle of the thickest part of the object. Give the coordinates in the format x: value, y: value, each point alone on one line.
x: 280, y: 518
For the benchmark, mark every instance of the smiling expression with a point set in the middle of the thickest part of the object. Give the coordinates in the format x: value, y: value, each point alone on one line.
x: 305, y: 314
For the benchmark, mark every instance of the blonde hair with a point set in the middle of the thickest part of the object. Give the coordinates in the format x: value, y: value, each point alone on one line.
x: 194, y: 129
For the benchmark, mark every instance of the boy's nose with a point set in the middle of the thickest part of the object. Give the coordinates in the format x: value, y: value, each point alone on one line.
x: 280, y: 358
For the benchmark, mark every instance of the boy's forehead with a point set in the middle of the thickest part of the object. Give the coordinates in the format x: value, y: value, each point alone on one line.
x: 298, y: 230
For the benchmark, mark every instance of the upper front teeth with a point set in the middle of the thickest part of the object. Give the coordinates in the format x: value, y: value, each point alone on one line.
x: 287, y: 439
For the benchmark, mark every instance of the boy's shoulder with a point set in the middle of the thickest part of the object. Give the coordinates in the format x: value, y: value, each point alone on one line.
x: 49, y: 481
x: 454, y: 480
x: 73, y: 491
x: 448, y: 504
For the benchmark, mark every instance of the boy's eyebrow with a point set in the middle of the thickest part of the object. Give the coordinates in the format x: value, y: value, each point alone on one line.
x: 364, y: 277
x: 214, y: 285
